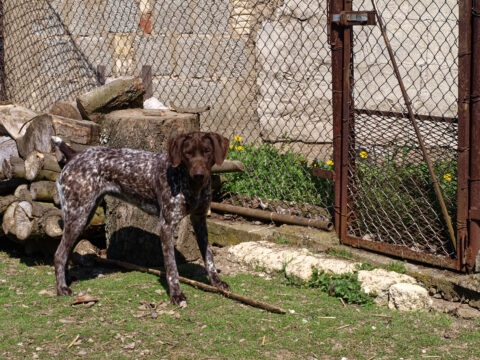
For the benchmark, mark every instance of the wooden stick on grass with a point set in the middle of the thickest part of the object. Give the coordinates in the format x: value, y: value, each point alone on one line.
x: 195, y: 284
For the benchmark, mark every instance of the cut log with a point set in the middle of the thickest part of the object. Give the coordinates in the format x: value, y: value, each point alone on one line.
x: 145, y: 129
x: 33, y: 164
x: 38, y: 136
x: 81, y: 132
x: 23, y: 221
x: 22, y: 193
x: 8, y: 222
x: 119, y: 94
x: 52, y: 227
x: 8, y: 148
x: 45, y: 191
x: 229, y: 166
x: 5, y: 202
x: 130, y: 233
x: 12, y: 119
x: 15, y: 169
x: 31, y: 219
x: 65, y: 109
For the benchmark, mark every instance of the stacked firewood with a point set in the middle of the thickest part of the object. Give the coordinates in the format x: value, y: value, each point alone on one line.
x: 29, y: 164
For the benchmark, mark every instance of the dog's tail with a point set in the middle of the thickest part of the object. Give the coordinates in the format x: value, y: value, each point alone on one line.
x: 67, y: 152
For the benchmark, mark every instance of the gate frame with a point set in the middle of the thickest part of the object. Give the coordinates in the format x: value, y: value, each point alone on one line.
x: 468, y: 218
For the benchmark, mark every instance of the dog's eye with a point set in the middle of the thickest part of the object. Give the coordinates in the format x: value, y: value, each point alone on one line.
x: 207, y: 151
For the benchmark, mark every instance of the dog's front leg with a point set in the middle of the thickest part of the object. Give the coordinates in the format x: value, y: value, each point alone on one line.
x: 200, y: 226
x: 166, y: 232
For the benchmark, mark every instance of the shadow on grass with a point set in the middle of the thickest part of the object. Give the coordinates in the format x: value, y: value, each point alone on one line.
x: 87, y: 268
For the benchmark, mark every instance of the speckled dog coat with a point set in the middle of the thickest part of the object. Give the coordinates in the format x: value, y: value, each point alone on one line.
x: 169, y: 185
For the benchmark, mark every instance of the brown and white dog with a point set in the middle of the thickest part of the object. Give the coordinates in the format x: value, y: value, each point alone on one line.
x: 170, y: 185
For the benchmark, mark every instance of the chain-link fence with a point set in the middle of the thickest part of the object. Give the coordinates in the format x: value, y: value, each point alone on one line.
x: 392, y: 198
x: 262, y: 66
x: 265, y: 69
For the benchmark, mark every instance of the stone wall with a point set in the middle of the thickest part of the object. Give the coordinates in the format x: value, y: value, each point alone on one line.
x: 264, y: 66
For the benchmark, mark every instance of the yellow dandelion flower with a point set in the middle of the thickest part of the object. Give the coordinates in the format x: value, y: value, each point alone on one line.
x: 231, y: 146
x: 314, y: 165
x: 238, y: 138
x: 239, y: 147
x: 448, y: 177
x: 363, y: 155
x: 330, y: 162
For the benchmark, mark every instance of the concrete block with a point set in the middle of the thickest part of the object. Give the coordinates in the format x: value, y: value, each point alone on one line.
x: 193, y: 57
x: 47, y: 19
x: 172, y: 16
x: 210, y: 16
x: 231, y: 58
x: 122, y: 16
x: 96, y: 50
x: 85, y: 17
x: 154, y: 51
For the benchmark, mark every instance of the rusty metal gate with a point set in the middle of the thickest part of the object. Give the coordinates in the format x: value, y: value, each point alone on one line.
x: 401, y: 89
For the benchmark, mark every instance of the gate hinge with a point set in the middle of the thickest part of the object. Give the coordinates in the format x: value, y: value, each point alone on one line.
x: 474, y: 214
x: 349, y: 18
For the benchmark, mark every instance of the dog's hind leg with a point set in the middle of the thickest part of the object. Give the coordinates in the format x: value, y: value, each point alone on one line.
x: 72, y: 230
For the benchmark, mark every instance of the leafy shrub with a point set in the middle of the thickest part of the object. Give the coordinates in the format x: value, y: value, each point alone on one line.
x: 399, y: 193
x: 277, y: 174
x: 344, y: 286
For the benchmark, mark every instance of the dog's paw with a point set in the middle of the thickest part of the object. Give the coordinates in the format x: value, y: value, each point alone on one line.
x: 221, y: 285
x: 64, y: 291
x: 179, y: 300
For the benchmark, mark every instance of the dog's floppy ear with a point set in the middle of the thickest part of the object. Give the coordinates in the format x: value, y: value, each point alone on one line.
x: 220, y: 147
x: 174, y: 149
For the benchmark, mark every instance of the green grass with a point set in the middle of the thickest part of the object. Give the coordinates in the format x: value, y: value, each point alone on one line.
x: 211, y: 327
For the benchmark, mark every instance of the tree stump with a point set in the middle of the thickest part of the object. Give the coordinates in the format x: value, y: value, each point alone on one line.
x: 131, y: 234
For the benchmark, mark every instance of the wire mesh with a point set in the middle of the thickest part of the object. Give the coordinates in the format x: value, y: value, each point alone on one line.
x: 262, y: 66
x: 391, y: 196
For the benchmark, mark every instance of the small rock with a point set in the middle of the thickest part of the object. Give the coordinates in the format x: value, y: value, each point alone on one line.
x: 467, y: 312
x: 408, y: 297
x: 379, y: 281
x: 130, y: 346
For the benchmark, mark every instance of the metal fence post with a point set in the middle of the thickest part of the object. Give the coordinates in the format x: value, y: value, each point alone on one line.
x: 3, y: 89
x: 336, y: 42
x: 464, y: 73
x: 474, y: 225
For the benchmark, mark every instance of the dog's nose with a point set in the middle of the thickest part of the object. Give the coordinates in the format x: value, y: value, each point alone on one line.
x: 198, y: 174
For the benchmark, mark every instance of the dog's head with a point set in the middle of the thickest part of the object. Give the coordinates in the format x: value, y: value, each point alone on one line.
x: 198, y: 152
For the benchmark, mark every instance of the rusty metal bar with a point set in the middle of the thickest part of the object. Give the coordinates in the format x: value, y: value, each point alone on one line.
x: 401, y: 252
x: 474, y: 225
x: 325, y: 174
x: 336, y: 42
x: 266, y: 215
x: 474, y: 214
x: 400, y: 115
x: 347, y: 125
x: 436, y: 186
x: 3, y: 88
x: 464, y: 73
